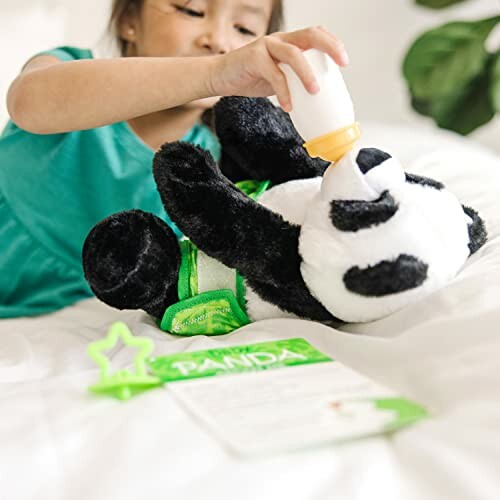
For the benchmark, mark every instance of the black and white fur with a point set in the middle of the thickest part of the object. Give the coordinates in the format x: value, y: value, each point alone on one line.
x: 353, y: 242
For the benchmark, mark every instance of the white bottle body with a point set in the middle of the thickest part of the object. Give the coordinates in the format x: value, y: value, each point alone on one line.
x: 314, y: 115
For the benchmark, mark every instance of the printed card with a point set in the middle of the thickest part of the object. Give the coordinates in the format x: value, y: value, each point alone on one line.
x: 278, y: 396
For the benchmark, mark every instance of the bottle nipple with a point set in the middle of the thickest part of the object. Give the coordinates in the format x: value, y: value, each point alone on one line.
x: 326, y: 119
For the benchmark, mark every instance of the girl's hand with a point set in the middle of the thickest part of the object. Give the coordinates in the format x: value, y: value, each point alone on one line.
x: 253, y: 71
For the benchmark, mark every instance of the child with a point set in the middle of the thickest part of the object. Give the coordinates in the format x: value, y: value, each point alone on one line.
x: 83, y: 131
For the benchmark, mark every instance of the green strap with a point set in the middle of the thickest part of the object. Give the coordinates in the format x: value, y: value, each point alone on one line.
x: 188, y: 272
x: 253, y: 189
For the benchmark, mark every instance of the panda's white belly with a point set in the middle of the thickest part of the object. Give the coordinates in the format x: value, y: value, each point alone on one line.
x: 292, y: 199
x: 258, y: 309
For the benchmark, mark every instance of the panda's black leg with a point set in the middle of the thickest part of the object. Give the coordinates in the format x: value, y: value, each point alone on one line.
x: 232, y: 228
x: 131, y: 260
x: 259, y: 142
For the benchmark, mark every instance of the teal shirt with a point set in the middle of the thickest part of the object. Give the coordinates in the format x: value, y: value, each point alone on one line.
x: 54, y: 189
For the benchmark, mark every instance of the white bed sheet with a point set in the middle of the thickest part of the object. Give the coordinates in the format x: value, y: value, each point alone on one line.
x: 59, y: 442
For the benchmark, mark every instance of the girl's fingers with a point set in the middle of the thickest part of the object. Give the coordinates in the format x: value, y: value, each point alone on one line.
x: 318, y: 38
x: 340, y: 45
x: 290, y: 54
x: 276, y: 78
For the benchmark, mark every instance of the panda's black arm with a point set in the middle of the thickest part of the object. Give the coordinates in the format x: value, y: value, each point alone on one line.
x: 230, y: 227
x: 259, y: 142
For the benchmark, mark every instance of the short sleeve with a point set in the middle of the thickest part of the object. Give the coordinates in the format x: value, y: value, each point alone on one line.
x: 67, y: 53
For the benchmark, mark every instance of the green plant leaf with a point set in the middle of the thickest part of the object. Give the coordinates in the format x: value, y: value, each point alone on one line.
x: 422, y: 106
x: 437, y: 4
x: 468, y: 108
x: 447, y: 58
x: 495, y: 83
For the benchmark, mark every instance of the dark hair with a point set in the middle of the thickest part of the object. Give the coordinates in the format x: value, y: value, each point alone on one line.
x: 123, y: 7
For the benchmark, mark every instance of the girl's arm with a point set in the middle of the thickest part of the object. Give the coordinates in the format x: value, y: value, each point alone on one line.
x: 51, y: 96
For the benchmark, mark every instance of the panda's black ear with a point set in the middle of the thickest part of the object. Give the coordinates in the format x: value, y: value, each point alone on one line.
x: 259, y: 141
x: 477, y: 230
x: 369, y: 158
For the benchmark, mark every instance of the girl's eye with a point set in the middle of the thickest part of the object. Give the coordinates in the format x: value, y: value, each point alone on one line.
x: 244, y: 31
x: 189, y: 12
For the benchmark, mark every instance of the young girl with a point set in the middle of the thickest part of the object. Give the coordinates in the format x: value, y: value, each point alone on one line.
x: 83, y: 131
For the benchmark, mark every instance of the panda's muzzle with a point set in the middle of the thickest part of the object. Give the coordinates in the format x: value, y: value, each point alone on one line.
x: 352, y: 215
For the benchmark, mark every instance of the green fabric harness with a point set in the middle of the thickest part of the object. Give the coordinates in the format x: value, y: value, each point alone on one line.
x: 206, y: 311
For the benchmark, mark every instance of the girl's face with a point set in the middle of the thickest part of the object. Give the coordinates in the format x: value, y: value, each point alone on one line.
x: 180, y: 28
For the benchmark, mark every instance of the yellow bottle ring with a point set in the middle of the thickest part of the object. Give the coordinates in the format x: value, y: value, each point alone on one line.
x: 334, y: 145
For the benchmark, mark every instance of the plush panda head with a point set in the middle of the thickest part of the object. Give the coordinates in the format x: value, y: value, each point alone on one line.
x: 376, y: 238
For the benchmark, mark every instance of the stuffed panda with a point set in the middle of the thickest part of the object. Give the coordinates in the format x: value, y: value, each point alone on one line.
x: 271, y: 232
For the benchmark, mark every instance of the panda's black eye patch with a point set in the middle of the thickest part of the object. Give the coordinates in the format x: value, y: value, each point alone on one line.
x: 423, y: 181
x: 352, y: 215
x: 387, y: 277
x: 369, y: 158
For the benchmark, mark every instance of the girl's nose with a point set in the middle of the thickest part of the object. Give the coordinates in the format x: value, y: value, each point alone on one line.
x: 215, y: 40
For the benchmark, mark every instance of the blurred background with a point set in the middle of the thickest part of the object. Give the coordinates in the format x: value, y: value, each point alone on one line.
x: 377, y: 35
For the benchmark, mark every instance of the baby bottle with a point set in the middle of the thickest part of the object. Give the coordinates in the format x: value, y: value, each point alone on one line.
x: 326, y: 119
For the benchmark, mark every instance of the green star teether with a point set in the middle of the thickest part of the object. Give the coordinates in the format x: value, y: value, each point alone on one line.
x: 124, y: 383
